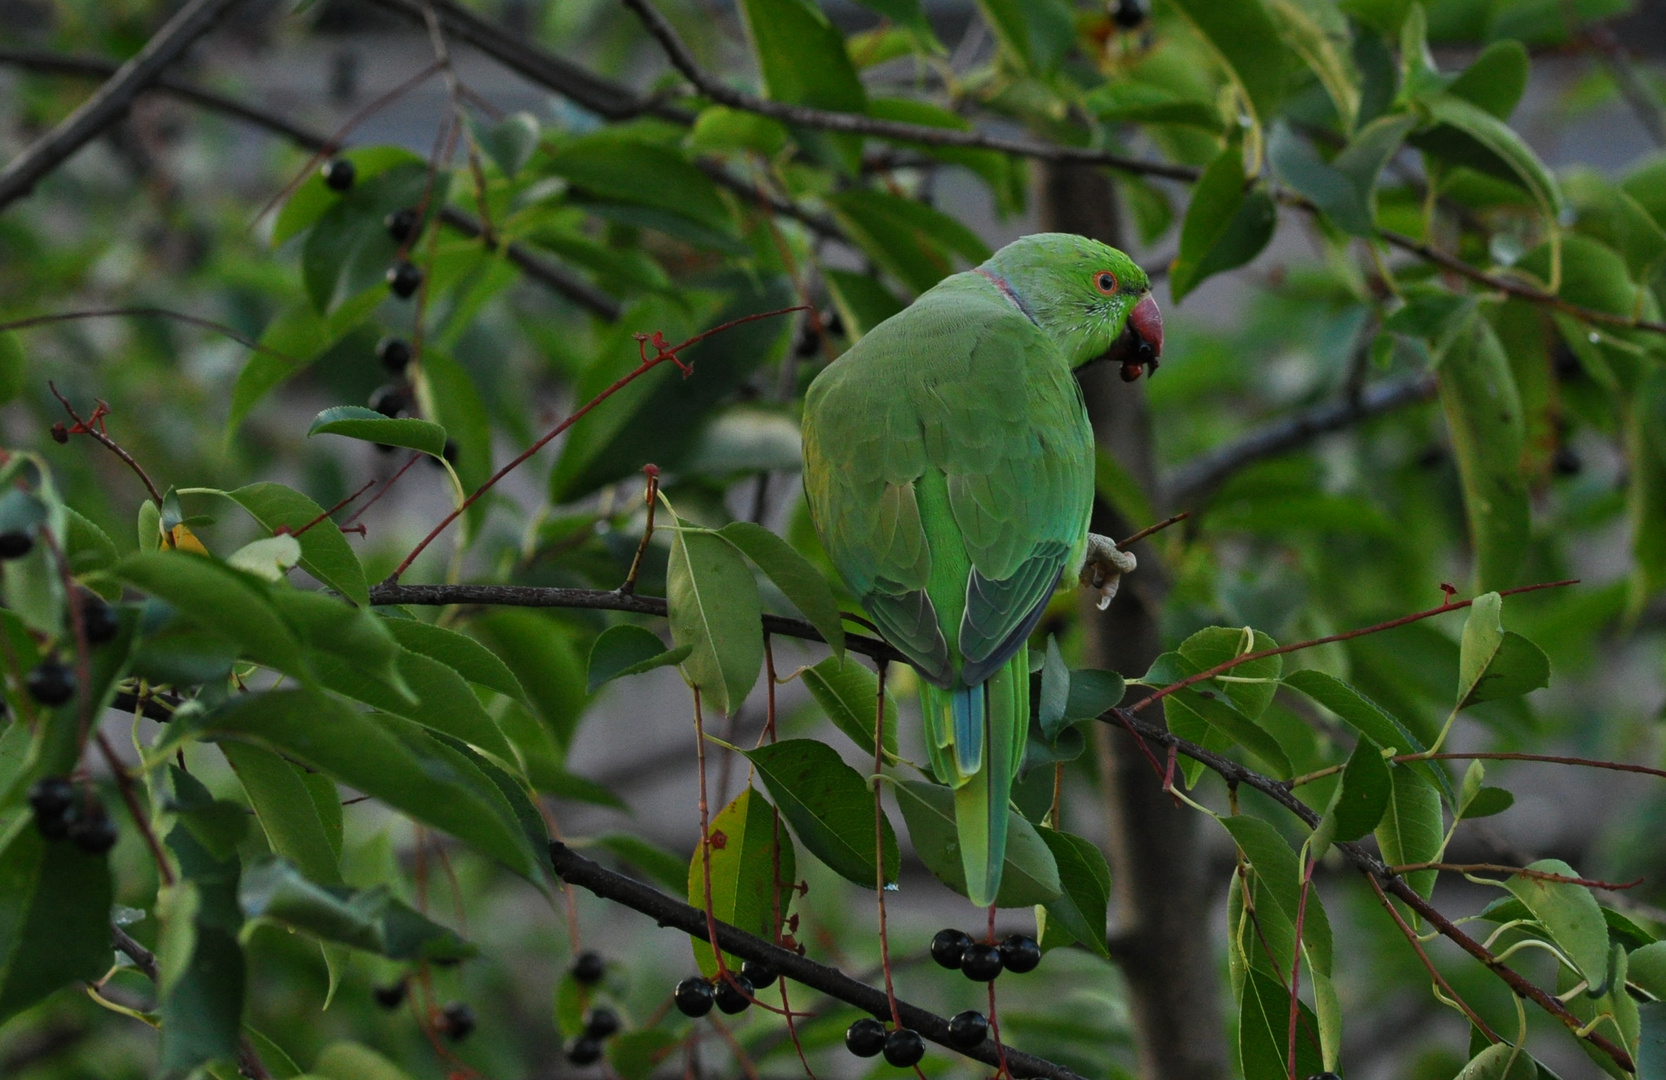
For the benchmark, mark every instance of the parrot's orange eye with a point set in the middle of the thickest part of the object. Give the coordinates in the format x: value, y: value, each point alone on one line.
x: 1106, y: 281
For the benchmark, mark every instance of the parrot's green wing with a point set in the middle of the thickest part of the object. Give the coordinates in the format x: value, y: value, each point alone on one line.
x: 949, y: 463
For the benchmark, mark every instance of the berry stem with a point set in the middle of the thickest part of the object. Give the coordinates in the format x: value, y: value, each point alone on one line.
x: 1296, y: 968
x: 995, y: 1030
x: 706, y: 837
x: 124, y: 784
x: 879, y: 841
x: 652, y: 497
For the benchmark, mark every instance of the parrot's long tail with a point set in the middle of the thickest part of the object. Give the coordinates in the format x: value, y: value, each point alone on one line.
x: 975, y: 735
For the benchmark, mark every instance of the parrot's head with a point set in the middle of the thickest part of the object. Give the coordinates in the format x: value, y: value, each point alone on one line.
x: 1089, y: 297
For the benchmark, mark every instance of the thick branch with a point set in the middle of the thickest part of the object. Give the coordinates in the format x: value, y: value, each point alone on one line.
x: 110, y: 102
x: 577, y: 870
x: 1198, y: 478
x: 1369, y: 864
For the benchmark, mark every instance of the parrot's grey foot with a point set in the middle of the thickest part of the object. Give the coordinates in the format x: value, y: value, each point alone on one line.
x: 1104, y: 566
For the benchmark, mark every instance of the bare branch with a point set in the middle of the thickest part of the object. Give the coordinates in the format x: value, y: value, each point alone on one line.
x: 575, y: 869
x: 110, y: 102
x: 1197, y: 479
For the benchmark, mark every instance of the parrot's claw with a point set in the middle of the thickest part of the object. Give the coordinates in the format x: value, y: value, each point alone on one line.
x: 1104, y: 566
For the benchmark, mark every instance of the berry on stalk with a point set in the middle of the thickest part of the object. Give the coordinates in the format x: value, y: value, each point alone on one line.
x: 390, y: 996
x: 694, y: 996
x: 904, y: 1048
x: 733, y: 997
x: 1129, y: 14
x: 981, y: 962
x: 866, y: 1037
x: 1020, y: 954
x: 404, y: 278
x: 588, y: 968
x: 15, y: 544
x: 98, y: 620
x: 50, y: 682
x: 968, y: 1030
x: 759, y: 975
x: 948, y: 947
x: 601, y: 1023
x: 401, y: 224
x: 456, y: 1021
x: 93, y: 831
x: 585, y: 1051
x: 394, y: 353
x: 339, y: 174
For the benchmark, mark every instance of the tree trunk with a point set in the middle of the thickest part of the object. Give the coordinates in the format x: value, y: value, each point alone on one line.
x: 1161, y: 894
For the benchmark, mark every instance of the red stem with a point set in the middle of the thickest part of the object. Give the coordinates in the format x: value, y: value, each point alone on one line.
x: 663, y: 354
x: 368, y: 485
x: 879, y: 842
x: 1296, y: 968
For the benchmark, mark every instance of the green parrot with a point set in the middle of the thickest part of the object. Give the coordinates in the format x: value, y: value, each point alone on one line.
x: 948, y: 465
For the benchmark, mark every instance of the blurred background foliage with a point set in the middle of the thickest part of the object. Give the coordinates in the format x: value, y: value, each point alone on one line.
x: 1351, y: 419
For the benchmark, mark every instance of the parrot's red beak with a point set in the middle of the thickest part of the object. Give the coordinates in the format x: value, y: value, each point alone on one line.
x: 1141, y: 342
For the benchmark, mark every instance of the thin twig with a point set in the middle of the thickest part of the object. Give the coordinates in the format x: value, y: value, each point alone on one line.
x: 110, y: 102
x: 1429, y: 965
x: 1516, y: 871
x: 141, y: 820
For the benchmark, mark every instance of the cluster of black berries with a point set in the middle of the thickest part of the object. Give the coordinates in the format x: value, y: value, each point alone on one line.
x: 695, y: 995
x: 52, y: 682
x: 981, y: 961
x: 455, y: 1020
x: 902, y: 1046
x: 404, y: 277
x: 600, y: 1024
x: 63, y: 811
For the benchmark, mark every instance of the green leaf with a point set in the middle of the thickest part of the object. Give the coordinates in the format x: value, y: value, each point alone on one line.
x: 54, y: 917
x: 1029, y: 877
x: 660, y: 865
x: 1468, y: 134
x: 1496, y: 79
x: 539, y: 650
x: 1245, y: 38
x: 829, y: 806
x: 1129, y: 102
x: 1569, y: 913
x: 345, y: 637
x: 1264, y: 1031
x: 1275, y: 866
x: 439, y: 699
x: 634, y: 1055
x: 1225, y: 226
x: 1319, y: 34
x: 863, y: 301
x: 1055, y: 692
x: 325, y: 553
x: 1651, y: 1041
x: 511, y: 141
x: 218, y: 599
x: 350, y: 1061
x: 719, y: 129
x: 1494, y: 663
x: 1085, y: 888
x: 1215, y: 645
x: 464, y: 655
x: 1484, y: 416
x: 743, y: 873
x: 358, y: 422
x: 910, y: 239
x: 313, y: 198
x: 714, y: 609
x: 1036, y: 33
x: 629, y: 650
x: 802, y: 55
x: 268, y: 558
x: 363, y: 752
x: 849, y: 694
x: 1646, y: 967
x: 792, y: 573
x: 1362, y: 797
x: 1412, y: 828
x: 618, y: 168
x: 1356, y: 710
x: 1092, y: 691
x: 1192, y: 714
x: 371, y: 919
x: 348, y: 250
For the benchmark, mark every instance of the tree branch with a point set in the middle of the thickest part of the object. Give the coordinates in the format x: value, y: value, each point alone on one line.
x: 144, y: 961
x: 1198, y: 478
x: 110, y: 102
x: 575, y: 869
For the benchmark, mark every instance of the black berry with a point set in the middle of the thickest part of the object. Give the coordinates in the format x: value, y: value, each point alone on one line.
x: 865, y: 1038
x: 404, y: 279
x: 401, y: 224
x: 1129, y: 14
x: 390, y: 401
x: 15, y: 544
x: 693, y: 996
x: 588, y: 968
x: 51, y: 683
x: 601, y: 1023
x: 981, y: 962
x: 339, y: 174
x: 904, y: 1048
x: 733, y: 997
x: 759, y: 975
x: 808, y: 343
x: 99, y: 620
x: 1020, y: 954
x: 1566, y: 462
x: 585, y: 1051
x: 456, y: 1021
x: 51, y: 798
x: 968, y: 1030
x: 948, y: 946
x: 832, y: 322
x: 93, y: 832
x: 390, y: 996
x: 394, y: 353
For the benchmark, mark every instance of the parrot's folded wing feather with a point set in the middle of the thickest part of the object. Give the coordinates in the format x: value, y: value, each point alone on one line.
x: 1000, y: 614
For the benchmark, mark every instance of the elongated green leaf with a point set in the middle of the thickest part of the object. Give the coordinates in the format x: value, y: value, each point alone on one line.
x: 629, y: 650
x: 1275, y: 866
x: 619, y: 168
x: 218, y: 599
x: 1055, y: 692
x: 334, y: 632
x: 849, y: 694
x: 312, y: 198
x: 350, y: 1061
x: 743, y: 873
x: 511, y: 141
x: 714, y: 609
x: 1318, y: 33
x: 661, y: 866
x: 1362, y: 797
x: 439, y: 700
x: 1036, y: 33
x: 464, y: 655
x: 54, y: 917
x: 539, y: 651
x: 1651, y: 1041
x: 1030, y: 876
x: 1264, y: 1028
x: 829, y: 806
x: 1569, y: 913
x: 1085, y: 889
x: 361, y: 751
x: 1483, y: 413
x: 1092, y: 691
x: 1225, y: 227
x: 793, y: 575
x: 1250, y: 685
x: 1494, y: 663
x: 1142, y: 103
x: 634, y: 1055
x: 802, y: 55
x: 1411, y: 829
x: 370, y: 919
x: 910, y: 239
x: 325, y: 553
x: 1246, y: 39
x: 1496, y: 79
x: 348, y: 249
x: 358, y: 422
x: 1484, y: 141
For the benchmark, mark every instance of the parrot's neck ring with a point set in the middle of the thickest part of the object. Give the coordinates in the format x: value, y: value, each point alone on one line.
x: 1006, y: 291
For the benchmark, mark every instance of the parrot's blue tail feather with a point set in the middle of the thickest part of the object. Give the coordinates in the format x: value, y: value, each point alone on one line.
x: 968, y: 708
